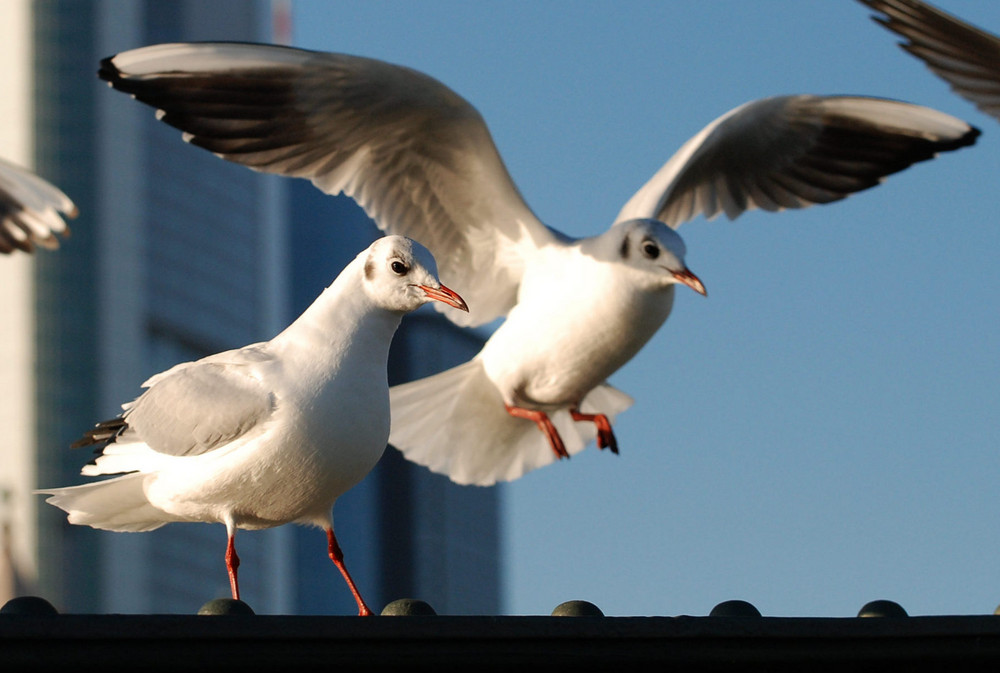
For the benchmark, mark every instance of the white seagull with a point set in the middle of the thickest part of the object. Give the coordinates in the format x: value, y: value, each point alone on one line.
x: 421, y: 162
x: 31, y: 210
x: 966, y: 57
x: 270, y: 433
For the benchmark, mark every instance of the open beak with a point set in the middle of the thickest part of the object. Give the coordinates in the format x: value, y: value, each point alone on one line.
x: 692, y: 281
x: 446, y: 295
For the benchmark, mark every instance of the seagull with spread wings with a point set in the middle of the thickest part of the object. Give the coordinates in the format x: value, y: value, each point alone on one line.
x: 421, y: 162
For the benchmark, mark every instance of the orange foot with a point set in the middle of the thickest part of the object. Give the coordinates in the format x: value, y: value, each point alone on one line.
x: 605, y: 436
x: 541, y: 419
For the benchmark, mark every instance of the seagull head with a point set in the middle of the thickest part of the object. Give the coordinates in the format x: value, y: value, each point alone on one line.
x: 401, y: 275
x: 654, y: 250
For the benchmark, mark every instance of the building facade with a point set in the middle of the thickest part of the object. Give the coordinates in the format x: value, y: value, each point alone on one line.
x: 176, y: 255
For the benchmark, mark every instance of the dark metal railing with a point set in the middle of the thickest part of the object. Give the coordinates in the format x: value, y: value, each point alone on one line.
x: 226, y: 635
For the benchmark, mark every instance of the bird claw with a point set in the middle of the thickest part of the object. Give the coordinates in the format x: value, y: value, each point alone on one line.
x: 558, y: 447
x: 605, y: 435
x: 606, y: 440
x: 544, y: 424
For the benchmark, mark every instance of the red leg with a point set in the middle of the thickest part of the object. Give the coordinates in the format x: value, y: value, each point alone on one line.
x: 232, y: 563
x: 605, y: 436
x: 337, y: 556
x: 541, y: 419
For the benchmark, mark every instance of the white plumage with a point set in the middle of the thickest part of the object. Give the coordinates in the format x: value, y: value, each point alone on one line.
x: 420, y: 160
x: 270, y: 433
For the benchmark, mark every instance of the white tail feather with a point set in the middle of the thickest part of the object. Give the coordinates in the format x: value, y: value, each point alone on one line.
x: 117, y: 504
x: 455, y: 424
x: 120, y: 457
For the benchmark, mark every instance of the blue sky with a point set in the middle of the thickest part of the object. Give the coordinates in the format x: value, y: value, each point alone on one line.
x: 821, y: 430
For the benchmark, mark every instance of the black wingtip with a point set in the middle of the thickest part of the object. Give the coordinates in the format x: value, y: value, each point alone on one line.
x: 103, y: 433
x: 967, y: 139
x: 971, y: 137
x: 108, y: 72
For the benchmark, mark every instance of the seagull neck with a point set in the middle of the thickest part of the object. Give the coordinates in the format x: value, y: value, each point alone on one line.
x: 340, y: 319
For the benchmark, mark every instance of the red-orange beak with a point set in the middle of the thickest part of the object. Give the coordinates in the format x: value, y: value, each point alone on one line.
x: 446, y: 295
x: 685, y: 277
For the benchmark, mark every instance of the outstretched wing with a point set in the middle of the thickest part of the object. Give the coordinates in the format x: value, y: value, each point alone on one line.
x: 31, y: 210
x: 959, y: 53
x: 414, y: 154
x: 793, y: 152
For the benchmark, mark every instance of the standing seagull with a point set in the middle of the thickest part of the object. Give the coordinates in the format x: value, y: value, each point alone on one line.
x: 30, y: 210
x: 959, y: 53
x: 420, y: 160
x: 270, y: 433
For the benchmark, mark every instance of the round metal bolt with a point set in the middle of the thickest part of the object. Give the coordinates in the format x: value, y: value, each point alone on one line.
x: 28, y: 606
x: 225, y: 606
x: 734, y: 608
x: 882, y: 608
x: 577, y: 609
x: 408, y: 607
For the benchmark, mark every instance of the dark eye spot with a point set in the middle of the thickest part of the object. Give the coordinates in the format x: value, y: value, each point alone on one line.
x: 650, y: 249
x: 399, y: 268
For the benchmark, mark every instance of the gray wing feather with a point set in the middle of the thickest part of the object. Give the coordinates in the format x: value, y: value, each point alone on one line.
x: 198, y: 408
x: 959, y: 53
x: 793, y: 152
x: 31, y: 210
x: 414, y: 154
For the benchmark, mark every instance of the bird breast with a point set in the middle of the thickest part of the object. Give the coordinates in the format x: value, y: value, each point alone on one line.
x: 342, y: 423
x: 324, y: 436
x: 570, y: 332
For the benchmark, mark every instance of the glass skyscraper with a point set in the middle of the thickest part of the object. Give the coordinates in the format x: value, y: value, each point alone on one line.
x: 176, y: 255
